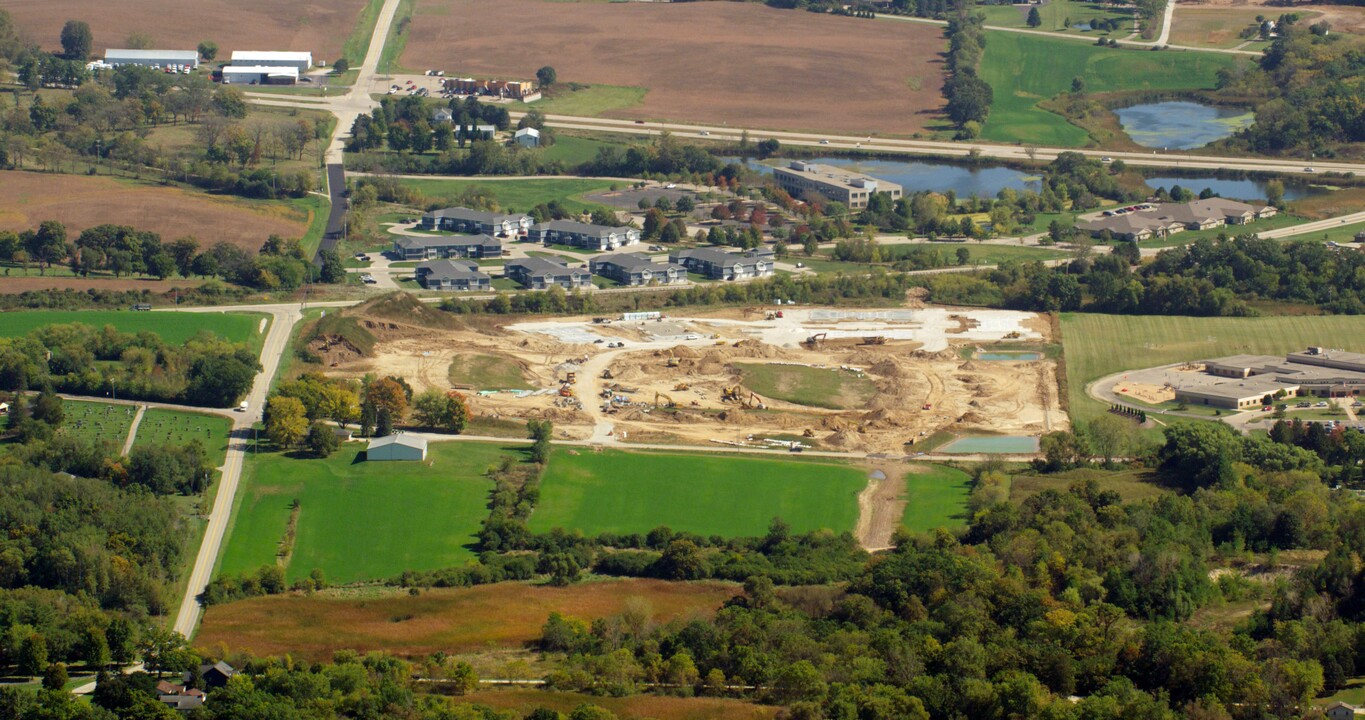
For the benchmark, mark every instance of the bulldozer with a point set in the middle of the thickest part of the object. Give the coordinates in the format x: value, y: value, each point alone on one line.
x: 680, y: 387
x: 667, y: 401
x: 814, y: 340
x: 565, y: 391
x: 875, y: 340
x: 1013, y: 335
x: 606, y: 374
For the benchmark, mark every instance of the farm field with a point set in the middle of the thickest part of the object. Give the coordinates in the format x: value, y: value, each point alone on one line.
x: 936, y: 498
x: 82, y: 202
x: 629, y: 492
x: 174, y: 328
x: 361, y: 520
x: 705, y: 62
x: 97, y: 421
x: 1089, y: 341
x: 247, y: 25
x: 1037, y: 68
x: 160, y: 426
x: 659, y: 707
x: 1221, y: 26
x: 518, y: 195
x: 816, y: 387
x: 506, y: 615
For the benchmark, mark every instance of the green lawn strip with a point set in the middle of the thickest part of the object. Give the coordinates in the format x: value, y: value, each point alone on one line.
x: 729, y: 495
x: 160, y: 427
x: 591, y: 100
x: 487, y: 372
x: 1341, y: 234
x: 397, y: 41
x: 1189, y: 236
x: 936, y: 498
x: 572, y: 150
x: 318, y: 208
x: 1090, y: 343
x: 362, y: 520
x: 358, y: 42
x: 174, y: 328
x: 1026, y: 69
x: 91, y: 421
x: 815, y: 387
x: 516, y: 195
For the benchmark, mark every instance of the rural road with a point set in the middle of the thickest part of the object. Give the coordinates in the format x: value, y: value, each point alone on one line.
x: 132, y: 429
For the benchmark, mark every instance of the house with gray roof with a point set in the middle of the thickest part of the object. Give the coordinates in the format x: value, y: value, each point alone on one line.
x: 718, y: 264
x: 583, y: 235
x: 413, y: 247
x: 539, y: 274
x: 454, y: 275
x: 465, y: 220
x: 442, y: 116
x: 1168, y: 218
x: 637, y: 269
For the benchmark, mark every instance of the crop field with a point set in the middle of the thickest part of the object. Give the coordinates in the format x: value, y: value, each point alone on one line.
x: 174, y: 328
x: 361, y: 520
x: 816, y: 387
x: 97, y: 421
x: 160, y: 427
x: 1027, y: 69
x: 740, y: 63
x: 659, y: 707
x: 519, y: 195
x: 936, y: 498
x: 504, y: 615
x: 1220, y: 26
x: 320, y: 27
x: 82, y: 202
x: 1089, y: 342
x: 730, y: 495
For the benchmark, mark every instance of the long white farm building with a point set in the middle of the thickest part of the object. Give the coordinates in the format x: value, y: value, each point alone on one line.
x: 262, y: 58
x: 152, y: 58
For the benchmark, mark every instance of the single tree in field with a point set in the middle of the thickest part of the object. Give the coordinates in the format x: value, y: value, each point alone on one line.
x: 208, y: 50
x: 286, y: 422
x: 47, y: 245
x: 341, y: 65
x: 1034, y: 18
x: 76, y: 40
x: 546, y: 76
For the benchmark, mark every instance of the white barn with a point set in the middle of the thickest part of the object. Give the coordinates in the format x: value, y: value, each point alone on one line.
x: 263, y: 58
x: 397, y: 447
x: 152, y: 58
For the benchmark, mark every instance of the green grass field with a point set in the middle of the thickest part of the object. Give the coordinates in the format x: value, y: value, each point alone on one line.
x: 1055, y: 14
x: 573, y: 150
x: 815, y: 387
x: 362, y: 520
x: 92, y: 421
x: 487, y: 372
x: 160, y: 426
x: 174, y: 328
x: 1099, y: 345
x: 518, y: 195
x: 935, y: 498
x: 1026, y: 69
x: 729, y: 495
x: 396, y: 42
x: 358, y: 42
x: 591, y: 101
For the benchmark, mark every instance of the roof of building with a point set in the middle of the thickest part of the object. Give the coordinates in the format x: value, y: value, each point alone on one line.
x: 527, y: 131
x: 409, y: 242
x: 220, y: 666
x: 1244, y: 361
x: 581, y: 228
x: 412, y: 441
x: 271, y: 55
x: 1254, y: 386
x: 451, y: 270
x: 635, y: 262
x: 1328, y: 354
x: 542, y: 266
x: 831, y: 175
x: 480, y: 216
x: 717, y: 256
x: 483, y: 128
x: 261, y: 70
x: 113, y: 54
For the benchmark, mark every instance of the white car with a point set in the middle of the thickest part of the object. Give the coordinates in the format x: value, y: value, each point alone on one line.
x: 705, y: 133
x: 1106, y: 159
x: 824, y: 142
x: 1309, y: 169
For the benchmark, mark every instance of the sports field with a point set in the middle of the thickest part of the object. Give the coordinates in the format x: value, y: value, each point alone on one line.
x: 174, y: 328
x: 361, y: 520
x: 936, y: 498
x: 729, y: 495
x: 515, y: 196
x: 816, y: 387
x: 505, y: 615
x: 1090, y: 341
x: 160, y: 427
x: 1026, y: 69
x: 97, y: 421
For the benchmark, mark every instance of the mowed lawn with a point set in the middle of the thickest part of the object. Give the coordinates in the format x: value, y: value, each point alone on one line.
x: 95, y: 421
x: 362, y: 520
x: 516, y: 195
x: 1100, y: 345
x: 161, y: 427
x: 1026, y: 69
x: 815, y: 387
x: 174, y: 328
x: 936, y: 497
x: 725, y: 494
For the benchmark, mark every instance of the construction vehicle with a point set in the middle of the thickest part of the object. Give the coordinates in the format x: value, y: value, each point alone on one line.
x: 814, y: 340
x: 1013, y: 335
x: 565, y: 391
x: 667, y: 401
x: 570, y: 378
x: 875, y: 340
x: 808, y: 433
x: 606, y: 374
x: 672, y: 362
x: 731, y: 394
x: 753, y: 402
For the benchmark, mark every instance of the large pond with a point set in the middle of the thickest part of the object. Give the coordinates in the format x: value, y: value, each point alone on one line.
x: 991, y: 444
x: 915, y: 176
x: 1180, y: 125
x: 1235, y: 189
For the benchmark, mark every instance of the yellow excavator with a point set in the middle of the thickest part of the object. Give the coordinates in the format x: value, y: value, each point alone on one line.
x: 731, y: 394
x: 681, y: 387
x: 814, y: 340
x: 666, y: 400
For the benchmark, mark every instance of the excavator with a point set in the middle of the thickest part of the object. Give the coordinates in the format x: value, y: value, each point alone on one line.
x: 565, y: 391
x: 667, y: 401
x: 875, y: 340
x: 731, y: 394
x: 814, y: 340
x: 752, y: 402
x: 570, y: 378
x: 672, y: 362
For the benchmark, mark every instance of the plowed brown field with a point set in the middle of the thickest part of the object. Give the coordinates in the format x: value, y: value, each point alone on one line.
x: 714, y: 62
x: 81, y: 202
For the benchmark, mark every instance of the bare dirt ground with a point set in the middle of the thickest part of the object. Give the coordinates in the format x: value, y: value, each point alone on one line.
x: 881, y: 507
x: 319, y: 26
x: 81, y: 202
x: 1151, y: 394
x: 15, y: 285
x: 707, y: 62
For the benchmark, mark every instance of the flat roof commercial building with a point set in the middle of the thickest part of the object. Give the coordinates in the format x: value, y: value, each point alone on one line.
x: 1245, y: 380
x: 152, y: 58
x: 302, y: 61
x: 850, y: 188
x: 260, y: 75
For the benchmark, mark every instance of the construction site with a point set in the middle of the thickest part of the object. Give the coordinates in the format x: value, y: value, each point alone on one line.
x: 873, y: 381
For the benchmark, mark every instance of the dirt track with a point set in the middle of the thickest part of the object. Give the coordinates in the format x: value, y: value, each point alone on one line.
x: 740, y: 63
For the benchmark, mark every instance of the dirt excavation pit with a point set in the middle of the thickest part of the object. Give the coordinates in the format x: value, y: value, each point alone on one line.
x: 847, y: 380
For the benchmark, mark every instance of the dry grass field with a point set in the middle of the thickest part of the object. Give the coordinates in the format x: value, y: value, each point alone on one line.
x: 506, y: 615
x: 320, y: 26
x: 10, y: 285
x: 636, y: 706
x: 81, y: 202
x: 740, y: 63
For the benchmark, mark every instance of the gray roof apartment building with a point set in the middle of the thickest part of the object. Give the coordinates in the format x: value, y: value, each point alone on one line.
x: 637, y: 269
x: 465, y: 220
x: 538, y: 274
x: 721, y: 265
x: 1169, y: 218
x: 850, y: 188
x: 413, y: 247
x: 454, y: 275
x: 583, y: 235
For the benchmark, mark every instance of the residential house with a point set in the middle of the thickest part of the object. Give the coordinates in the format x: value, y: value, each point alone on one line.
x: 456, y: 275
x: 1339, y: 711
x: 442, y: 116
x: 721, y: 265
x: 637, y: 269
x: 464, y: 220
x: 527, y: 137
x: 583, y: 235
x: 540, y: 273
x: 412, y: 247
x: 397, y: 447
x: 215, y: 675
x: 179, y: 697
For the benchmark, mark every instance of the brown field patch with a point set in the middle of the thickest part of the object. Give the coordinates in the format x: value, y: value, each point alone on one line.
x: 637, y: 706
x: 450, y: 620
x: 740, y: 63
x: 312, y: 25
x: 81, y: 202
x: 16, y: 285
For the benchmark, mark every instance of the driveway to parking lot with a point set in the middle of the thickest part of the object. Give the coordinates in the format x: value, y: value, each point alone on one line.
x: 382, y: 272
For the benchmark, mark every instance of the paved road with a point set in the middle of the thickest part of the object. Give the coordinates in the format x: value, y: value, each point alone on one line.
x: 336, y: 218
x: 1166, y: 17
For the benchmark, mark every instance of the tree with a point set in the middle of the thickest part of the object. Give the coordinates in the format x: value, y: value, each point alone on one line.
x: 76, y: 40
x: 963, y: 256
x: 32, y: 656
x: 341, y: 65
x: 208, y: 50
x: 443, y: 410
x: 1062, y: 450
x: 55, y: 676
x: 540, y: 432
x: 286, y: 423
x: 1034, y: 19
x: 1110, y: 436
x: 333, y: 270
x: 322, y: 440
x: 138, y: 41
x: 47, y: 407
x: 47, y: 245
x: 387, y: 396
x: 546, y: 76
